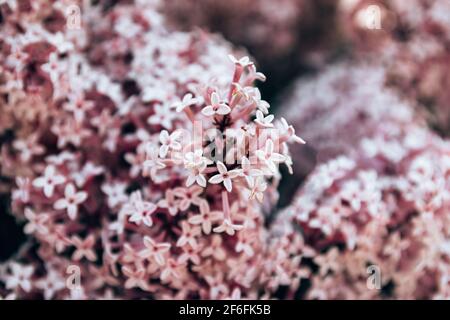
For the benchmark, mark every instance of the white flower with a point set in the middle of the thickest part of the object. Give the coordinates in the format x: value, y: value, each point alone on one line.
x: 206, y: 217
x: 126, y: 27
x: 228, y: 227
x: 187, y: 101
x: 139, y: 210
x: 196, y: 163
x: 195, y: 175
x: 51, y: 284
x: 257, y: 187
x: 71, y: 201
x: 196, y: 159
x: 247, y: 169
x: 224, y: 176
x: 152, y: 161
x: 257, y: 75
x: 89, y: 170
x: 169, y: 142
x: 264, y: 121
x: 20, y: 277
x: 290, y: 131
x: 49, y: 181
x: 60, y: 42
x: 243, y: 62
x: 115, y: 192
x: 36, y: 222
x: 269, y: 157
x: 216, y: 106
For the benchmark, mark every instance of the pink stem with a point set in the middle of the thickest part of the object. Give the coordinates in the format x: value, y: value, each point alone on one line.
x: 236, y: 77
x: 226, y: 205
x: 189, y: 114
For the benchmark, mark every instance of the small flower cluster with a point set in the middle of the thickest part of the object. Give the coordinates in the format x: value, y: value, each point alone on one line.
x: 411, y: 42
x: 123, y: 166
x: 385, y: 206
x: 341, y: 106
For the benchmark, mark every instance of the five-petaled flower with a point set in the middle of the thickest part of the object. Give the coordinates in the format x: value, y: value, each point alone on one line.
x: 139, y: 210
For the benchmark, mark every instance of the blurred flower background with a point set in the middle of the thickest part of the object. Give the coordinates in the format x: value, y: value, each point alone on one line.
x: 105, y: 194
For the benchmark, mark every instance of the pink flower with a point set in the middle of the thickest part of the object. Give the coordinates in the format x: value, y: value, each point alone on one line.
x: 189, y: 196
x: 28, y: 148
x: 215, y: 249
x: 224, y: 176
x: 171, y: 270
x: 257, y: 186
x: 216, y: 106
x: 154, y: 251
x: 188, y: 235
x: 243, y: 62
x: 84, y: 248
x: 266, y: 121
x: 228, y: 227
x: 206, y: 217
x: 36, y: 222
x: 115, y: 192
x: 139, y: 210
x: 169, y: 142
x: 189, y: 254
x: 49, y: 181
x: 244, y: 243
x: 187, y: 101
x: 162, y: 117
x: 248, y: 170
x: 79, y: 106
x: 72, y: 199
x: 196, y: 163
x: 23, y: 192
x: 269, y: 157
x: 20, y: 277
x: 51, y: 284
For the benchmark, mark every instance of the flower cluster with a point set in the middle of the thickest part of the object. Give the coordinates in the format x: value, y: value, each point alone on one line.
x: 382, y: 210
x: 144, y: 158
x: 411, y: 40
x: 341, y: 106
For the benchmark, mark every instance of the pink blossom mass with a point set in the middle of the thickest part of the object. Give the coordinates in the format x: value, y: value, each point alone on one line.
x: 224, y: 150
